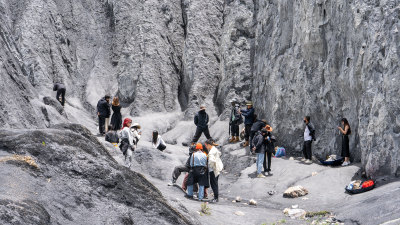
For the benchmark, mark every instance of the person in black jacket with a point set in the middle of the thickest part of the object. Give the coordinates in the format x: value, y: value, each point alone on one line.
x: 259, y: 148
x: 248, y: 121
x: 201, y: 120
x: 309, y: 137
x: 234, y: 121
x: 257, y: 126
x: 103, y: 112
x: 60, y: 88
x: 270, y: 146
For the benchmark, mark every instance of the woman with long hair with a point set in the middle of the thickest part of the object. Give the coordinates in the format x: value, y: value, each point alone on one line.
x: 345, y: 131
x: 116, y: 119
x: 158, y: 142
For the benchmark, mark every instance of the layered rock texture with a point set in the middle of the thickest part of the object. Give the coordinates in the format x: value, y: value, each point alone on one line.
x: 64, y: 175
x: 326, y: 59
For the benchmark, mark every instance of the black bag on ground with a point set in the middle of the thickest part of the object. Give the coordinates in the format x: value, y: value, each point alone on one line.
x: 161, y: 147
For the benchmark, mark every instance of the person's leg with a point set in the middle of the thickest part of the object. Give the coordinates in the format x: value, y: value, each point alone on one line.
x: 269, y: 156
x: 201, y: 192
x: 128, y: 157
x: 265, y: 163
x: 214, y: 184
x: 207, y: 133
x: 62, y: 97
x: 107, y: 122
x: 102, y: 121
x: 190, y: 190
x: 177, y: 172
x: 304, y: 150
x: 260, y: 160
x: 251, y: 138
x: 184, y: 187
x: 247, y: 131
x: 197, y: 135
x: 237, y: 133
x: 308, y: 150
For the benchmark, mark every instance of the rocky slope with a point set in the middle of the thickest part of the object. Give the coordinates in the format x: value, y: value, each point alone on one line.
x: 63, y: 175
x: 328, y: 59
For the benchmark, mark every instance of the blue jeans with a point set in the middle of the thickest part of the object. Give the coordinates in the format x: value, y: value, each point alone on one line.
x: 201, y: 191
x: 259, y: 163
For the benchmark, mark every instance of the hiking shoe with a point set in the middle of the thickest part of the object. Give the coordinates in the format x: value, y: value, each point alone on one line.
x: 308, y: 161
x: 172, y: 183
x: 188, y: 196
x: 214, y: 200
x: 246, y: 144
x: 232, y: 140
x: 303, y: 159
x: 260, y: 175
x: 345, y: 164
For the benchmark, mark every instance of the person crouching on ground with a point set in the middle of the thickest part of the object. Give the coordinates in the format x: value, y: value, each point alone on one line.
x: 112, y: 136
x: 270, y: 146
x: 158, y: 142
x: 215, y: 167
x: 127, y: 142
x: 259, y: 148
x: 197, y: 174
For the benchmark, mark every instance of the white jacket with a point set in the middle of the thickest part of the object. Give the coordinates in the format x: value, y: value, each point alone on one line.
x: 159, y: 141
x: 127, y: 133
x: 214, y: 161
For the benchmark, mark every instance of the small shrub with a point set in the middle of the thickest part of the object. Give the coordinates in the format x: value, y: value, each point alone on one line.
x: 205, y: 209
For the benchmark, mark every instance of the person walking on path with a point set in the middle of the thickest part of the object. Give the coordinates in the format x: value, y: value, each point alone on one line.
x: 270, y: 146
x: 103, y: 112
x: 309, y: 137
x: 201, y: 120
x: 345, y: 131
x: 116, y: 119
x: 158, y: 142
x: 234, y: 121
x: 215, y: 166
x: 248, y: 121
x: 60, y: 88
x: 127, y: 145
x: 259, y: 148
x: 197, y: 174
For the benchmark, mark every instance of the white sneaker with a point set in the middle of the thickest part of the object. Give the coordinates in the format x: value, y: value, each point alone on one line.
x: 345, y: 164
x: 303, y: 159
x: 308, y: 161
x: 260, y: 175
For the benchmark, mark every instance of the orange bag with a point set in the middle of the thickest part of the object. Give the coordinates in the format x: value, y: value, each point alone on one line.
x: 368, y: 183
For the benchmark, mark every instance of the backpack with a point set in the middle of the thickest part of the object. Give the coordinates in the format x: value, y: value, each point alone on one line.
x: 368, y: 183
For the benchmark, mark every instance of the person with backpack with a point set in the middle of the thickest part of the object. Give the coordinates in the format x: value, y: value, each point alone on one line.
x: 103, y: 112
x: 201, y: 120
x: 112, y: 136
x: 270, y: 147
x: 215, y: 167
x: 345, y: 131
x: 127, y: 145
x: 259, y: 148
x: 60, y: 88
x: 309, y: 137
x: 197, y: 174
x: 158, y: 142
x: 248, y: 114
x: 234, y: 121
x: 257, y: 126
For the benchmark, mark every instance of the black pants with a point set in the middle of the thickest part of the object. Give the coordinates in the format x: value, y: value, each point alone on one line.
x: 268, y: 157
x: 198, y: 133
x: 307, y: 150
x: 247, y: 129
x: 235, y: 130
x: 178, y: 170
x: 214, y: 184
x: 252, y: 133
x: 61, y: 92
x: 102, y: 122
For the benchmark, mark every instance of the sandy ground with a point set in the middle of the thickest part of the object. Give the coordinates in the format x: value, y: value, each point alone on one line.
x: 325, y: 184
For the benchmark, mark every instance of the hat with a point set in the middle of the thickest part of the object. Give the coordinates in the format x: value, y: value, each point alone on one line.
x: 136, y: 125
x: 126, y: 121
x: 210, y: 142
x: 264, y: 121
x: 249, y: 103
x: 268, y: 128
x: 233, y: 100
x: 199, y: 146
x: 202, y: 107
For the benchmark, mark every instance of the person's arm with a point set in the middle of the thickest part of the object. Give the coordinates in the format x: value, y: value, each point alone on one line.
x: 346, y: 129
x: 196, y: 119
x: 55, y: 87
x: 244, y: 112
x: 211, y: 156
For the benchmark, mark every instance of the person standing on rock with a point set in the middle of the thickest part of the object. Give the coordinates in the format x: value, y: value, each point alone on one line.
x: 234, y: 121
x: 103, y: 112
x: 116, y: 119
x: 270, y: 146
x: 257, y: 126
x: 259, y: 149
x: 60, y: 88
x: 309, y: 137
x: 248, y: 121
x: 345, y: 131
x: 197, y: 174
x: 127, y: 145
x: 215, y: 167
x: 201, y: 120
x: 158, y: 142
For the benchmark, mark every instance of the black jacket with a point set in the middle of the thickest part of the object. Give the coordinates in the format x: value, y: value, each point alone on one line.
x: 259, y: 142
x: 58, y: 86
x: 248, y: 115
x: 257, y: 126
x: 103, y: 107
x: 312, y: 130
x: 201, y: 119
x: 270, y: 144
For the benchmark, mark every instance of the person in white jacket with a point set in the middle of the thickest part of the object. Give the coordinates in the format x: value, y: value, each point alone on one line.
x: 215, y: 166
x: 127, y: 142
x: 158, y: 142
x: 136, y: 133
